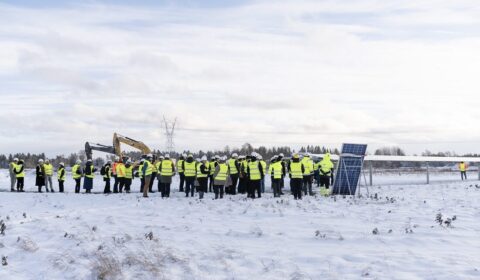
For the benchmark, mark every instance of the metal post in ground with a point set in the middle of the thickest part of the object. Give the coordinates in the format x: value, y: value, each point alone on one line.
x: 428, y: 174
x: 371, y: 173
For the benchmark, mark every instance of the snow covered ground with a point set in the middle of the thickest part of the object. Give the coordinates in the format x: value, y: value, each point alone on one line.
x: 123, y: 236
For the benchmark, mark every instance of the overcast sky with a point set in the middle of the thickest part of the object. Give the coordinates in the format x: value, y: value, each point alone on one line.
x: 265, y: 72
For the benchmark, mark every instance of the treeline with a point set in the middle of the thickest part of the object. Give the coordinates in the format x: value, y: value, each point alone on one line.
x: 31, y: 160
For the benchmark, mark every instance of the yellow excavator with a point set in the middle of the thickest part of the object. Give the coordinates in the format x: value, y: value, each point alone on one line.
x: 116, y: 148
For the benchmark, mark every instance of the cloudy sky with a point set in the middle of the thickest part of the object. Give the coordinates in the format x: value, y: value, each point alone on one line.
x: 266, y: 72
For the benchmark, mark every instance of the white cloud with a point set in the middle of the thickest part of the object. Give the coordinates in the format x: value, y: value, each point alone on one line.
x: 264, y: 73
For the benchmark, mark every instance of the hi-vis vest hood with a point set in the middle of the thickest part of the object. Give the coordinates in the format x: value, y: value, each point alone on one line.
x: 326, y: 165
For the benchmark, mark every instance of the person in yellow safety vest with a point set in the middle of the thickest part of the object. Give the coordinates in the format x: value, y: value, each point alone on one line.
x: 220, y: 176
x: 463, y: 170
x: 114, y: 174
x: 264, y: 168
x: 255, y: 175
x: 307, y: 174
x: 203, y: 170
x: 281, y: 158
x: 89, y: 176
x: 147, y: 171
x: 276, y: 172
x: 190, y: 168
x: 140, y: 174
x: 156, y: 170
x: 77, y: 173
x: 20, y: 175
x: 296, y: 171
x: 167, y: 171
x: 106, y: 172
x: 13, y: 176
x: 61, y: 175
x: 181, y: 172
x: 128, y: 175
x: 212, y: 165
x: 326, y: 174
x: 243, y: 180
x: 120, y: 171
x: 234, y: 169
x: 48, y: 167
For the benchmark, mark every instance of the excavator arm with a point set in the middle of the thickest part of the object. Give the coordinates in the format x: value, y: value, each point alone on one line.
x: 118, y: 139
x: 98, y: 147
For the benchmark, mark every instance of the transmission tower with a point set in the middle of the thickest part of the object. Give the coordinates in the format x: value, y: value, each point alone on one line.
x: 169, y: 130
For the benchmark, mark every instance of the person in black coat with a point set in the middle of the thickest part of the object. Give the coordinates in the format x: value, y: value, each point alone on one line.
x: 39, y: 175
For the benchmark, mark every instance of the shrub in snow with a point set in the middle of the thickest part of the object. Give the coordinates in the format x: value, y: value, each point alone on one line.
x: 27, y: 244
x: 375, y: 231
x: 3, y: 227
x: 4, y: 260
x: 106, y: 266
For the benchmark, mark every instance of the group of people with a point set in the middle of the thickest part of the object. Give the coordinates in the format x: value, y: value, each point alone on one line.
x: 238, y: 174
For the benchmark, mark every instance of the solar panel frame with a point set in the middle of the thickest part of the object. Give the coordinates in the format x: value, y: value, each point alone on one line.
x: 349, y: 169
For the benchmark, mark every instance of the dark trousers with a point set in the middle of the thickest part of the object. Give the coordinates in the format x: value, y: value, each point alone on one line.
x: 203, y: 186
x: 210, y: 183
x: 142, y: 182
x: 242, y: 185
x: 296, y: 186
x: 254, y: 185
x: 77, y: 185
x: 182, y: 181
x: 232, y: 189
x: 189, y: 185
x: 20, y: 183
x: 115, y: 183
x: 165, y: 189
x: 60, y: 185
x: 325, y: 181
x: 150, y: 187
x: 276, y: 187
x: 121, y: 184
x: 464, y: 175
x: 218, y: 191
x: 128, y: 183
x: 107, y: 185
x: 160, y: 185
x: 307, y: 184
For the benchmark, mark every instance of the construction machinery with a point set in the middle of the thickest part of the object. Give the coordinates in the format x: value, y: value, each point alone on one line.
x: 115, y: 149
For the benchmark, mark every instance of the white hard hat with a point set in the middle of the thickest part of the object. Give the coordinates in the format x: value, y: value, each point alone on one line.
x: 234, y: 155
x: 161, y: 157
x: 78, y: 161
x: 204, y: 158
x: 149, y: 156
x: 15, y: 159
x: 40, y: 160
x: 217, y: 156
x: 62, y: 164
x: 282, y: 155
x: 89, y: 160
x: 47, y: 160
x: 167, y: 156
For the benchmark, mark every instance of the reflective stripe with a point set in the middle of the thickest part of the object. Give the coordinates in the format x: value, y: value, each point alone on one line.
x: 264, y: 166
x: 48, y: 169
x: 233, y: 167
x: 296, y: 170
x: 92, y: 175
x: 156, y: 166
x: 120, y: 170
x: 140, y: 173
x: 18, y: 167
x: 212, y: 167
x: 190, y: 169
x: 254, y: 170
x: 222, y: 172
x: 74, y: 172
x: 199, y: 172
x: 108, y: 172
x: 166, y: 168
x: 149, y: 170
x: 308, y: 165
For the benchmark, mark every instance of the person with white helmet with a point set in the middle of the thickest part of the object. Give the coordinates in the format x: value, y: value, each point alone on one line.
x: 276, y: 173
x: 13, y: 176
x: 48, y: 168
x: 40, y: 175
x: 128, y: 175
x: 281, y: 158
x: 77, y: 173
x: 139, y: 174
x: 296, y: 171
x: 264, y: 167
x: 212, y: 164
x: 155, y: 162
x: 167, y: 171
x: 190, y: 168
x: 242, y: 179
x: 203, y: 170
x: 181, y: 171
x: 89, y: 176
x: 220, y: 176
x: 157, y: 165
x: 106, y: 172
x: 61, y: 175
x: 234, y: 170
x: 255, y: 175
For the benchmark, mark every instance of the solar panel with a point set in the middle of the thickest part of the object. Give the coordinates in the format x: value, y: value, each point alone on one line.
x: 349, y: 169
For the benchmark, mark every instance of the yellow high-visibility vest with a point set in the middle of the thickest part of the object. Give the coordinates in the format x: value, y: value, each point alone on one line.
x: 296, y: 170
x: 254, y: 171
x: 222, y: 172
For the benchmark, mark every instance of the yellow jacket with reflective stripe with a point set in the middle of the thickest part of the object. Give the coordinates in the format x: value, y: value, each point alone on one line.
x: 149, y: 169
x: 212, y: 167
x: 222, y: 172
x: 129, y: 172
x: 254, y: 171
x: 190, y: 169
x: 296, y: 170
x: 166, y: 168
x: 277, y: 170
x: 180, y: 165
x: 75, y: 175
x: 199, y: 172
x: 264, y: 166
x: 307, y: 165
x: 120, y: 169
x: 233, y: 167
x: 61, y: 174
x: 18, y: 167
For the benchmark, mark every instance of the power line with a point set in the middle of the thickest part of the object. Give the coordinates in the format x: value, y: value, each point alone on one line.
x: 169, y: 134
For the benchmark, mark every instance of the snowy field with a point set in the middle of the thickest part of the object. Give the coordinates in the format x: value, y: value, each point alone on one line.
x: 393, y: 235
